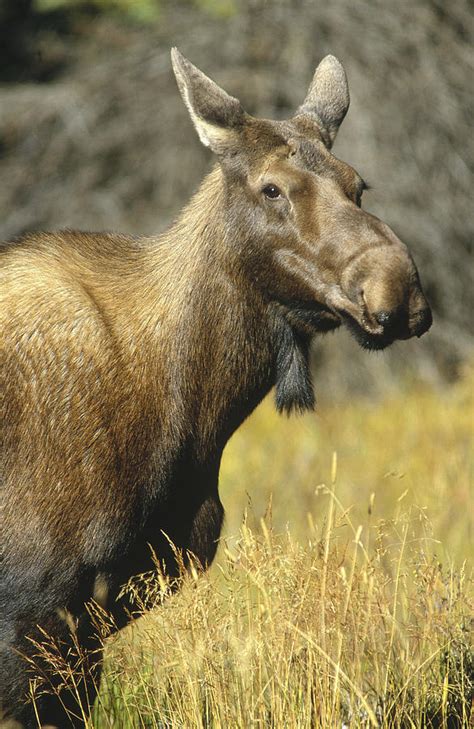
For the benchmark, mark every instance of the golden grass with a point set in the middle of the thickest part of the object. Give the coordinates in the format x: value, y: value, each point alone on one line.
x: 341, y: 595
x: 413, y: 449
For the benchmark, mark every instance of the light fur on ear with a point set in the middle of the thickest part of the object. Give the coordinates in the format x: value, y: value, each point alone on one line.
x: 216, y: 115
x: 328, y: 97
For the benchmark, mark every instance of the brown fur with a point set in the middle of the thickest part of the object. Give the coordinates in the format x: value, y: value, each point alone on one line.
x: 128, y: 363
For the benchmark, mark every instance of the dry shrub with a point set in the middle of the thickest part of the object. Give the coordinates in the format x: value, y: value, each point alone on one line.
x: 371, y: 632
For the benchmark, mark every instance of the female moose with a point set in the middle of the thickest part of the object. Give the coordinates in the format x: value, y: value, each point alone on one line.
x: 127, y: 363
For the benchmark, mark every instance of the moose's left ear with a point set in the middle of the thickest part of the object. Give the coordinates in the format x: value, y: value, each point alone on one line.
x: 217, y: 116
x: 328, y: 97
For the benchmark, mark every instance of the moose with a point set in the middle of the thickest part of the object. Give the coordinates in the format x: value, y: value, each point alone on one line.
x: 128, y: 362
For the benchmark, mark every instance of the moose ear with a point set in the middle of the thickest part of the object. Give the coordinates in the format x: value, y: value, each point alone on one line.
x: 328, y: 97
x: 217, y: 116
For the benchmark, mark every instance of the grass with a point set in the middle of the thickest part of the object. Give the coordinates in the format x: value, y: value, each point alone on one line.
x: 341, y: 595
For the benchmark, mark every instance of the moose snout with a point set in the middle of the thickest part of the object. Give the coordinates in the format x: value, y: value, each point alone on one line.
x: 385, y: 293
x: 393, y: 299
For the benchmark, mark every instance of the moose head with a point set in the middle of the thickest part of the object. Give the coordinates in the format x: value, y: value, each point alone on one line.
x: 296, y: 211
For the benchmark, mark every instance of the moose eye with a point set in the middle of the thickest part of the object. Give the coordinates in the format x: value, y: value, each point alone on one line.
x: 272, y: 192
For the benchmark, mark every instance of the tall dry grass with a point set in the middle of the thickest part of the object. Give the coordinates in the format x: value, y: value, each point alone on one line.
x: 345, y: 600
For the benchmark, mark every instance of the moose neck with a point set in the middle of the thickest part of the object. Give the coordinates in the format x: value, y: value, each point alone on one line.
x: 216, y: 327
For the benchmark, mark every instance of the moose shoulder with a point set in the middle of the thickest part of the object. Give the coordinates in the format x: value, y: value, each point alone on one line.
x: 127, y: 363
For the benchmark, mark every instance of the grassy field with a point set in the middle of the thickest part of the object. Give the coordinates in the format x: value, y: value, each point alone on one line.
x: 341, y: 595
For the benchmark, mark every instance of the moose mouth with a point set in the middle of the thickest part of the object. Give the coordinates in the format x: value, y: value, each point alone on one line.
x: 398, y: 327
x: 366, y: 339
x: 324, y: 320
x: 311, y: 318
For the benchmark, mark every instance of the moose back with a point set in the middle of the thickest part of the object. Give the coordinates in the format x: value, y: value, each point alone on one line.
x: 127, y: 363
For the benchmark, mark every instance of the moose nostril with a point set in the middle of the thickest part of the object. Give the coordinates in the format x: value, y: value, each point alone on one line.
x: 385, y: 318
x: 423, y: 321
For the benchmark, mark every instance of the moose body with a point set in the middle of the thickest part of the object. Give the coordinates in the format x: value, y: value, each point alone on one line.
x: 127, y: 363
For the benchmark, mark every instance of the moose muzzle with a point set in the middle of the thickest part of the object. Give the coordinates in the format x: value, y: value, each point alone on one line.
x: 385, y: 298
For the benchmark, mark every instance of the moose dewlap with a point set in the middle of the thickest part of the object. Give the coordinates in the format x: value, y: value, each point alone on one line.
x: 127, y: 363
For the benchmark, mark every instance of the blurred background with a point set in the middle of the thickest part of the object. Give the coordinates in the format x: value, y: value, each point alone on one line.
x: 94, y: 135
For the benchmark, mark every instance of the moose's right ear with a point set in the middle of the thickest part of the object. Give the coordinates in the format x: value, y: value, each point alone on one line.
x: 217, y: 116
